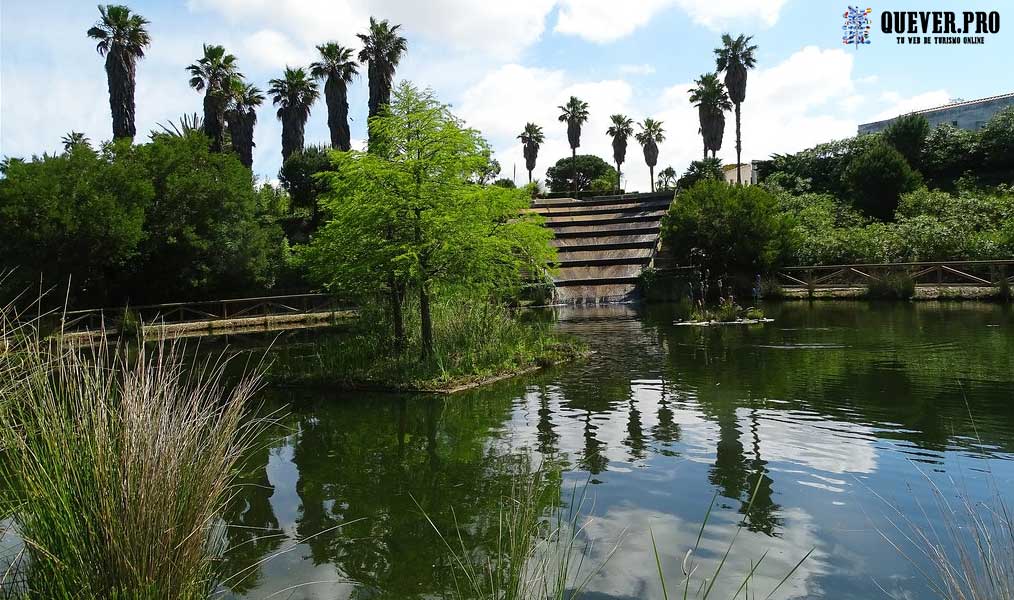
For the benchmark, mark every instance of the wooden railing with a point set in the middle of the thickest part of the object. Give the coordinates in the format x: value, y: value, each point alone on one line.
x: 980, y: 273
x: 208, y: 310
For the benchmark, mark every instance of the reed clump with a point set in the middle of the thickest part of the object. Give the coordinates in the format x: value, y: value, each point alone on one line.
x: 116, y: 467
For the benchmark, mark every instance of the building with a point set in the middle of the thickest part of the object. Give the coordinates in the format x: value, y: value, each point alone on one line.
x: 972, y: 114
x: 747, y: 170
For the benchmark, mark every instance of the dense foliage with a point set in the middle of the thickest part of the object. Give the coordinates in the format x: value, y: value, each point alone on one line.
x: 586, y: 169
x: 876, y: 178
x: 727, y: 229
x: 167, y: 220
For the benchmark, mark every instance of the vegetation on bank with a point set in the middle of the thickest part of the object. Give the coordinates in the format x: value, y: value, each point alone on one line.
x: 474, y: 342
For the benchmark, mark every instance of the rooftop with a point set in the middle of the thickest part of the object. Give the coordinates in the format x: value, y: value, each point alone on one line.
x: 963, y: 103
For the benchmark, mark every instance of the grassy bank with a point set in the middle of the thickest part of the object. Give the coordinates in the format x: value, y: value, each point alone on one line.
x: 475, y: 343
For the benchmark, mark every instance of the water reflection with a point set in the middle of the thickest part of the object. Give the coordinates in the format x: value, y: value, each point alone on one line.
x: 793, y: 425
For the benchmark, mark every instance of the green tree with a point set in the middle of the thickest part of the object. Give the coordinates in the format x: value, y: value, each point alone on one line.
x: 712, y: 102
x: 205, y: 234
x: 531, y: 139
x: 407, y: 205
x: 997, y: 147
x: 577, y: 173
x: 699, y: 170
x: 621, y: 129
x: 337, y: 68
x: 294, y: 95
x: 213, y: 73
x: 122, y: 37
x: 650, y: 136
x: 948, y: 154
x: 382, y: 49
x: 730, y: 230
x: 75, y: 219
x: 735, y: 57
x: 299, y: 176
x: 242, y: 118
x: 575, y: 114
x: 877, y: 178
x: 907, y: 134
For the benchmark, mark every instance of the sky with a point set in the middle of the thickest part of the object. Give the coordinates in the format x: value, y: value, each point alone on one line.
x: 502, y: 64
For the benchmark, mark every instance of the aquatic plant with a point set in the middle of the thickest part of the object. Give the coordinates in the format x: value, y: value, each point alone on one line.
x: 892, y: 286
x: 117, y: 466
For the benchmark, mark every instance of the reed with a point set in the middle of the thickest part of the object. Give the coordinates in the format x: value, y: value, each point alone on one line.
x: 116, y: 466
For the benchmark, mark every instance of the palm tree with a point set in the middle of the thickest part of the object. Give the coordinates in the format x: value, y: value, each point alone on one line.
x: 650, y: 136
x: 122, y: 39
x: 621, y: 130
x: 74, y: 139
x: 382, y: 49
x: 735, y: 57
x: 667, y: 178
x: 213, y: 73
x: 574, y: 113
x: 531, y: 138
x: 294, y: 94
x: 711, y: 101
x: 337, y: 68
x: 242, y: 117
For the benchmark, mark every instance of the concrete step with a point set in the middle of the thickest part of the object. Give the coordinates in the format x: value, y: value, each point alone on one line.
x: 605, y: 242
x: 554, y: 211
x: 632, y: 216
x: 603, y: 261
x: 614, y: 223
x: 603, y: 272
x: 604, y: 247
x: 602, y: 200
x: 596, y: 293
x: 601, y: 231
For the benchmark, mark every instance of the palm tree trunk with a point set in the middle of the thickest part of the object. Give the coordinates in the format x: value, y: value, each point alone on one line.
x: 573, y: 167
x: 739, y: 149
x: 529, y: 175
x: 651, y: 171
x: 618, y: 178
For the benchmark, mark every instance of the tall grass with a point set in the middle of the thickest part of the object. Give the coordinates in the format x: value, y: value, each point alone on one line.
x: 892, y: 286
x: 116, y: 466
x: 966, y: 552
x: 538, y: 553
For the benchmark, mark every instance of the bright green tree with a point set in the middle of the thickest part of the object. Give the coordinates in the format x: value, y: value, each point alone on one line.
x: 578, y: 173
x: 406, y: 212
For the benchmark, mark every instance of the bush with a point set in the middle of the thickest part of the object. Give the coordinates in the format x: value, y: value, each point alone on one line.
x: 727, y: 229
x: 877, y: 178
x: 700, y: 170
x: 893, y: 286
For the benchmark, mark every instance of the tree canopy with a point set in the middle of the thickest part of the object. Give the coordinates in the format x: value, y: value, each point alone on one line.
x: 578, y: 173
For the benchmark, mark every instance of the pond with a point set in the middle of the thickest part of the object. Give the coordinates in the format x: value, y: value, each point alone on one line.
x: 838, y: 414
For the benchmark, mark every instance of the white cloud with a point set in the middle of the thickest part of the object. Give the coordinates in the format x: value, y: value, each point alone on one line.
x: 610, y: 20
x: 900, y: 105
x: 503, y: 30
x: 644, y: 69
x: 271, y: 49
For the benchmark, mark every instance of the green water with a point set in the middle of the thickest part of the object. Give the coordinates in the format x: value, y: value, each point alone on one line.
x: 844, y: 411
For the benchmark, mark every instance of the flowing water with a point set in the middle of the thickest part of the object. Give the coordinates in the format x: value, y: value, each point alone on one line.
x: 840, y: 415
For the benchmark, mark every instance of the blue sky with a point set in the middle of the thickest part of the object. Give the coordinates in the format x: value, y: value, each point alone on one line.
x: 501, y: 64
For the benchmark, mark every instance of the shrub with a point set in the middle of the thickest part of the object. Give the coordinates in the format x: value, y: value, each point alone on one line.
x: 893, y: 286
x: 727, y: 229
x: 877, y: 178
x: 700, y: 170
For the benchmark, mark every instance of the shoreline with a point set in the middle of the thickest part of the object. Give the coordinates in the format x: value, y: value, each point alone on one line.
x: 922, y: 293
